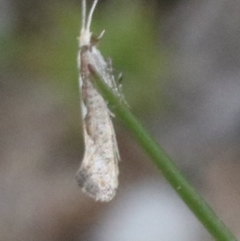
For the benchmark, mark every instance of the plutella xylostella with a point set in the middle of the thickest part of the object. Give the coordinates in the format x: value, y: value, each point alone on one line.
x: 98, y: 172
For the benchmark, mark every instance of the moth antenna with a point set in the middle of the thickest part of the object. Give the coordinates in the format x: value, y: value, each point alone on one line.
x: 89, y: 20
x: 83, y: 14
x: 85, y: 34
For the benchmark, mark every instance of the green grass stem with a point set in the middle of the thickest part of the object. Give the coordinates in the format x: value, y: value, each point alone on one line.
x: 164, y: 163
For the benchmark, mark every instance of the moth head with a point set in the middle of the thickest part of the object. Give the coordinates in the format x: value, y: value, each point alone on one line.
x: 85, y: 38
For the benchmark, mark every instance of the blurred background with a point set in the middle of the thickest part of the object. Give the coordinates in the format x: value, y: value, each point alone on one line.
x: 180, y: 61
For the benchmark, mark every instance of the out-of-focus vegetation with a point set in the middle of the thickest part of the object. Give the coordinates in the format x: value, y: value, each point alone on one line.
x: 180, y: 65
x: 131, y: 40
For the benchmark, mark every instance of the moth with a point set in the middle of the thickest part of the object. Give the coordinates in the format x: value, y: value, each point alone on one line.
x: 98, y: 172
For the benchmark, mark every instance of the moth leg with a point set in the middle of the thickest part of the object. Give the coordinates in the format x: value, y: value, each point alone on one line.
x: 101, y: 35
x: 120, y: 78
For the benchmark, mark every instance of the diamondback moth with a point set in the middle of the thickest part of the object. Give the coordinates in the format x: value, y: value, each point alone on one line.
x: 98, y: 172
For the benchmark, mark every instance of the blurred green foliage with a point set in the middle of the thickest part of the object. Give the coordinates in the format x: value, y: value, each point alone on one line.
x: 131, y: 40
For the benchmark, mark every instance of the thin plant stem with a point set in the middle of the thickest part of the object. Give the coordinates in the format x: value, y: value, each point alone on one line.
x: 164, y: 163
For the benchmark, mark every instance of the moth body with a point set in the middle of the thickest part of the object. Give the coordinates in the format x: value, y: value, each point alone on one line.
x: 98, y: 172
